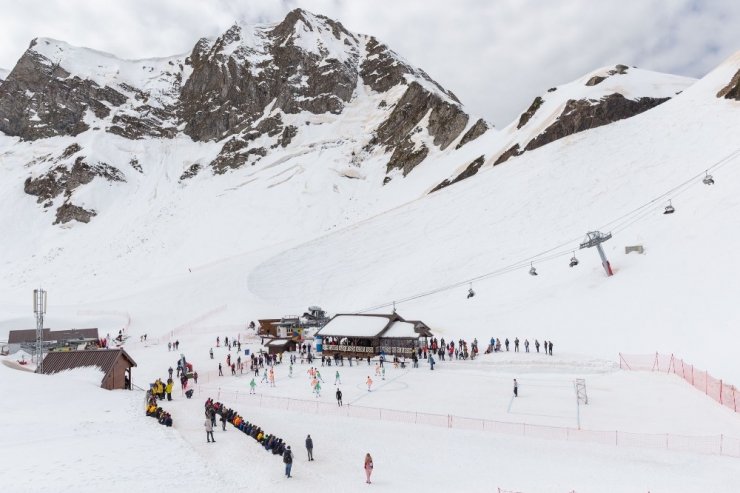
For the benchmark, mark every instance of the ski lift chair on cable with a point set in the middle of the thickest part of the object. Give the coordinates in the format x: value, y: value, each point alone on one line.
x: 669, y: 209
x: 708, y: 179
x: 532, y: 270
x: 573, y: 260
x: 471, y: 293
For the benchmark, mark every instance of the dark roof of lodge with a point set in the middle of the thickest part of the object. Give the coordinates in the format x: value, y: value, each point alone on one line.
x: 105, y: 359
x: 29, y: 335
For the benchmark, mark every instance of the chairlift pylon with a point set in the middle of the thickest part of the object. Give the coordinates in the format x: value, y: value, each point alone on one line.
x: 532, y: 270
x: 708, y: 179
x: 669, y: 209
x: 573, y: 260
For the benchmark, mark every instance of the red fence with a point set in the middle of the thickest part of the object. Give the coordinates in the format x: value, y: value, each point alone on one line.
x: 722, y: 392
x: 714, y: 444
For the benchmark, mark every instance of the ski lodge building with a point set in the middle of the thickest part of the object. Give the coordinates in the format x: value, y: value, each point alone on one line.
x: 53, y: 339
x: 364, y: 335
x: 115, y: 364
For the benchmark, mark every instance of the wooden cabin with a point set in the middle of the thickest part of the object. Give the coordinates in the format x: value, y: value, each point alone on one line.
x: 363, y: 335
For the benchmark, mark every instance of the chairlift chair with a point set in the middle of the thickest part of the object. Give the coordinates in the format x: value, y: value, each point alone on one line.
x: 532, y: 270
x: 669, y: 209
x: 471, y: 293
x: 708, y: 179
x: 573, y: 260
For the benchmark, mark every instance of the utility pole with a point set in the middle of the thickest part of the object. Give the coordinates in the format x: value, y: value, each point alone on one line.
x: 39, y: 308
x: 595, y: 239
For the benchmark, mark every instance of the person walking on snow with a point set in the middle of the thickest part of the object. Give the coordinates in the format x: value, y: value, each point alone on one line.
x: 368, y: 467
x: 516, y: 345
x: 272, y: 377
x: 318, y: 376
x: 252, y: 385
x: 223, y: 421
x: 317, y: 389
x: 264, y: 376
x: 211, y: 353
x: 526, y: 345
x: 550, y: 344
x: 209, y: 431
x: 309, y: 447
x: 220, y: 370
x: 506, y: 342
x: 537, y: 345
x: 369, y: 383
x: 339, y: 398
x: 337, y: 380
x: 377, y: 369
x: 288, y: 460
x: 516, y: 388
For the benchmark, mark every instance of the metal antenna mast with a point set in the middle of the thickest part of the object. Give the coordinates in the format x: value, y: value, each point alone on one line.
x: 39, y: 308
x: 595, y: 239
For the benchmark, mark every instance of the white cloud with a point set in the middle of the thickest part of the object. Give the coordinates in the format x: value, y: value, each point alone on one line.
x: 496, y: 55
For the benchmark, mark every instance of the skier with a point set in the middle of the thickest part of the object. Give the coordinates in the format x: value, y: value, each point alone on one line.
x: 169, y: 346
x: 252, y: 385
x: 218, y: 341
x: 223, y: 421
x: 220, y: 370
x: 309, y: 447
x: 209, y: 431
x: 550, y: 344
x: 272, y: 377
x: 431, y: 362
x: 369, y: 383
x: 526, y: 345
x: 264, y: 376
x: 170, y: 372
x: 168, y: 389
x: 318, y: 376
x: 516, y: 388
x: 339, y: 398
x: 506, y: 342
x: 211, y: 353
x: 317, y: 389
x: 516, y: 345
x: 537, y: 345
x: 337, y: 380
x: 368, y: 467
x: 288, y: 460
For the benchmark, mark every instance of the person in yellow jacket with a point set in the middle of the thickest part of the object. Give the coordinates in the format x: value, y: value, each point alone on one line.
x: 260, y: 436
x: 168, y: 389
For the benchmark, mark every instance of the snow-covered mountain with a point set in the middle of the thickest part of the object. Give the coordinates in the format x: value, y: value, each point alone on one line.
x: 256, y: 94
x: 289, y: 164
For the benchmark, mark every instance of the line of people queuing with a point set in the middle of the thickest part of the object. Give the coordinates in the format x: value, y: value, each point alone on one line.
x: 495, y: 345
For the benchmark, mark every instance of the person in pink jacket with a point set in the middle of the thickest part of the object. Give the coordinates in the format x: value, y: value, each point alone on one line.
x: 368, y: 467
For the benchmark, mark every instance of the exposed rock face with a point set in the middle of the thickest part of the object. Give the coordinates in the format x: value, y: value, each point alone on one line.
x: 190, y: 172
x: 471, y: 170
x: 510, y: 152
x: 731, y: 90
x: 68, y: 212
x: 583, y: 115
x: 63, y: 180
x: 446, y: 122
x: 479, y: 128
x: 595, y: 80
x: 598, y: 79
x: 41, y: 99
x: 232, y: 83
x: 527, y: 115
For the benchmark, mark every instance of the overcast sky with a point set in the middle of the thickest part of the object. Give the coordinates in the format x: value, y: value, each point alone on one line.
x: 496, y: 55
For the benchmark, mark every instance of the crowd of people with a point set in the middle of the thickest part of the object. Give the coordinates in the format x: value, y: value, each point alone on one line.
x: 155, y: 411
